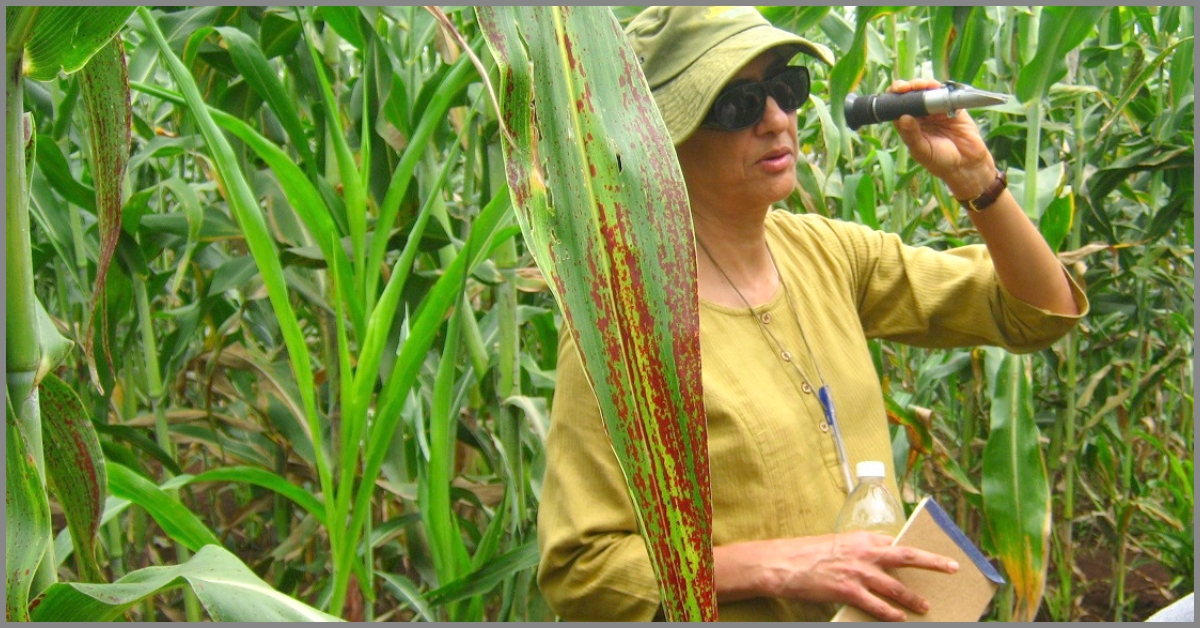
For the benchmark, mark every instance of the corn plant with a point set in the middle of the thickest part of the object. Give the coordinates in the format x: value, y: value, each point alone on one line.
x: 378, y: 452
x: 71, y: 461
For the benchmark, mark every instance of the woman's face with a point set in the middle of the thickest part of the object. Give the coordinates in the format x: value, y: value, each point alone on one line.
x: 754, y: 166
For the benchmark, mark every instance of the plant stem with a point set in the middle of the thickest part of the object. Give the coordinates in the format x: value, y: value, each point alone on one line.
x: 162, y: 432
x: 1071, y: 415
x: 23, y: 350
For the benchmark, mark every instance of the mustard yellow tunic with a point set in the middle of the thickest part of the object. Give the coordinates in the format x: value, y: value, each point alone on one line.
x: 775, y: 471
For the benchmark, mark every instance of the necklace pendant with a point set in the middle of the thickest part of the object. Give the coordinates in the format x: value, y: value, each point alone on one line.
x: 787, y: 356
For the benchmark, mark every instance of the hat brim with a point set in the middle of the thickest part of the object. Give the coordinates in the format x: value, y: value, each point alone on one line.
x: 686, y: 99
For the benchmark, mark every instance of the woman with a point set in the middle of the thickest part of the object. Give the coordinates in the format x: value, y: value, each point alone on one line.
x: 788, y: 303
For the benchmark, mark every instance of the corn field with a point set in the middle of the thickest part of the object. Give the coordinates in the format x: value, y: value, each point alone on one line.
x: 280, y: 345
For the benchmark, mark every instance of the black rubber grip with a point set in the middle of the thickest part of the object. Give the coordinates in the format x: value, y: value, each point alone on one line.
x: 877, y: 108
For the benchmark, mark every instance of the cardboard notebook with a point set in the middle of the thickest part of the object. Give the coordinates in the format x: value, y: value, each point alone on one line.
x: 960, y: 596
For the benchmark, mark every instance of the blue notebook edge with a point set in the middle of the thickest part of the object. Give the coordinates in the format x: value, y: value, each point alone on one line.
x: 947, y: 524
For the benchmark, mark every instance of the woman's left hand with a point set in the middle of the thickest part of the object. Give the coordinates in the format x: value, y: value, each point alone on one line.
x: 949, y: 147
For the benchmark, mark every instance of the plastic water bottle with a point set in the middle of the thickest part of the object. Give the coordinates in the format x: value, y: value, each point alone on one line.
x: 870, y: 506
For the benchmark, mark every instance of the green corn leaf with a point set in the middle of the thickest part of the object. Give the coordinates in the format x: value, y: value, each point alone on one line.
x: 432, y: 117
x: 407, y: 592
x: 487, y: 577
x: 303, y: 196
x: 1183, y: 68
x: 354, y: 192
x: 972, y: 47
x: 1139, y: 82
x: 257, y: 236
x: 602, y: 205
x: 346, y: 21
x: 75, y: 467
x: 486, y: 233
x: 797, y: 19
x: 1048, y: 180
x: 53, y: 165
x: 1016, y: 490
x: 65, y: 38
x: 1061, y: 30
x: 1056, y: 221
x: 278, y: 33
x: 252, y: 63
x: 177, y: 521
x: 864, y: 202
x: 26, y: 520
x: 53, y: 345
x: 104, y: 84
x: 939, y: 46
x: 849, y: 69
x: 261, y: 477
x: 227, y: 588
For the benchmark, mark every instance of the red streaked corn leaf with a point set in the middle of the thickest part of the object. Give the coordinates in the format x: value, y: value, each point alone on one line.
x: 602, y: 205
x: 1016, y: 491
x: 26, y: 520
x: 75, y: 468
x: 104, y: 84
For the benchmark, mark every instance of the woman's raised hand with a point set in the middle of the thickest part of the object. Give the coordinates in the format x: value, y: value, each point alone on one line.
x: 949, y: 147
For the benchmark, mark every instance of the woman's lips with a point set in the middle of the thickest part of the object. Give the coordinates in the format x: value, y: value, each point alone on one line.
x: 777, y: 160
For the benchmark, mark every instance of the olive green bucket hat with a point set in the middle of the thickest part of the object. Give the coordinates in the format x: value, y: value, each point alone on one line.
x: 689, y: 53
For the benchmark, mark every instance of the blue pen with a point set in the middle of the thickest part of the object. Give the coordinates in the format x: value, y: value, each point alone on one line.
x: 826, y: 398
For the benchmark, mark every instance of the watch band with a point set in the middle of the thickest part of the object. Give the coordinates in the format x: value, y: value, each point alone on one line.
x: 989, y: 195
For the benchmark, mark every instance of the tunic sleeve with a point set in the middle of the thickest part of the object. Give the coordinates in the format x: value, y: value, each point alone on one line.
x: 594, y: 565
x: 929, y: 298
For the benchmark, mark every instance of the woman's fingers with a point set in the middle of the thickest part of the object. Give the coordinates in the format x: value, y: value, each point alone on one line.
x: 901, y: 86
x: 889, y: 592
x: 900, y: 556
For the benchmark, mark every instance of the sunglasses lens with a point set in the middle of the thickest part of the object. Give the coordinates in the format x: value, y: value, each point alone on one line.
x: 742, y: 106
x: 738, y: 107
x: 789, y: 88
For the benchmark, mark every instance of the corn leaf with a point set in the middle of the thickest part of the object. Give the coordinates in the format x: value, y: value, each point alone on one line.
x: 75, y: 467
x: 65, y: 38
x: 973, y: 46
x: 1061, y: 30
x: 487, y: 577
x: 602, y: 205
x: 104, y: 84
x: 26, y: 520
x: 258, y: 239
x: 266, y: 479
x: 227, y: 588
x: 1016, y: 491
x: 252, y: 63
x: 176, y: 520
x: 849, y: 69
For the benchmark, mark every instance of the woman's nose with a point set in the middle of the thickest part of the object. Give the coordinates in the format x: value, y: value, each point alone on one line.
x: 774, y: 118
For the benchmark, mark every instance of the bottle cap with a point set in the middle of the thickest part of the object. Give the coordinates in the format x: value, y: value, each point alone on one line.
x: 870, y: 469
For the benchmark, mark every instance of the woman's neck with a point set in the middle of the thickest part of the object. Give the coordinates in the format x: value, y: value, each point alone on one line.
x: 734, y: 263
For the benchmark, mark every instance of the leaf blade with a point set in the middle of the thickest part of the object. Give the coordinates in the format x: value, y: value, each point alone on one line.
x: 75, y: 466
x: 601, y: 183
x: 228, y: 590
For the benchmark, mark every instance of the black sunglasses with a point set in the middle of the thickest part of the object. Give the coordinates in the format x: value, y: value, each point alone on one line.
x: 741, y: 106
